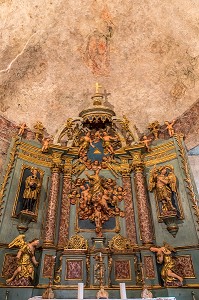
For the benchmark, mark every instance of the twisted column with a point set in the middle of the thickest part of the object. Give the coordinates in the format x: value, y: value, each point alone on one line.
x: 144, y: 213
x: 128, y: 202
x: 49, y: 236
x: 65, y: 205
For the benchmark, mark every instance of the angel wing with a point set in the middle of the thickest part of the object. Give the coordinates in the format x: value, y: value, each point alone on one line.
x: 18, y: 241
x: 152, y: 179
x: 172, y: 181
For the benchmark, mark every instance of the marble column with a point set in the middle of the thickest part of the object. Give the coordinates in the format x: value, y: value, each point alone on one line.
x: 128, y: 202
x: 144, y: 212
x: 65, y: 205
x: 49, y: 235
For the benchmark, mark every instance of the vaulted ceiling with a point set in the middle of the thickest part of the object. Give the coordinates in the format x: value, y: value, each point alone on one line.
x: 145, y: 54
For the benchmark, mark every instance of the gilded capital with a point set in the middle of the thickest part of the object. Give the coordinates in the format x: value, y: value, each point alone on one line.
x: 67, y: 167
x: 56, y: 161
x: 125, y: 167
x: 137, y: 163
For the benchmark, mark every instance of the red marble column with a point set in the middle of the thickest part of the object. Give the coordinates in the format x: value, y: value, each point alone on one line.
x: 65, y: 212
x: 49, y: 236
x: 129, y: 209
x: 144, y: 213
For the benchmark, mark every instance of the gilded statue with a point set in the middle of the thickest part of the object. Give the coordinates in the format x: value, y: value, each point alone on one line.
x: 163, y: 181
x: 164, y: 256
x: 107, y: 142
x: 31, y: 192
x: 24, y: 274
x: 169, y: 127
x: 85, y: 142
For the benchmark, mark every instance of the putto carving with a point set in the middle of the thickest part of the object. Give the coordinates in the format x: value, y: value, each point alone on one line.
x: 97, y: 199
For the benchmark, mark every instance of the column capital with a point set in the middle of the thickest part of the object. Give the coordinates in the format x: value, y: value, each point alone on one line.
x: 125, y: 168
x: 137, y: 163
x: 56, y: 163
x: 67, y: 166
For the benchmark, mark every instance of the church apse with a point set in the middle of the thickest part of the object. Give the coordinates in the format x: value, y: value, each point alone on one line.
x: 102, y: 201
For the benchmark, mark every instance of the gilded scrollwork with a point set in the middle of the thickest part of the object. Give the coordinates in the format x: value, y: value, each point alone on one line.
x: 119, y: 243
x: 77, y: 242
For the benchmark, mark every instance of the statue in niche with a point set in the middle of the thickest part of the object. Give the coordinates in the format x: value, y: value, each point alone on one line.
x: 98, y: 199
x: 24, y: 274
x: 31, y: 192
x: 163, y: 181
x: 164, y: 256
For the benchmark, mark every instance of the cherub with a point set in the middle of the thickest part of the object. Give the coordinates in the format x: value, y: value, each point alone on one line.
x: 25, y: 259
x: 85, y: 195
x: 170, y: 128
x: 146, y: 142
x: 86, y: 142
x: 45, y: 145
x: 22, y: 128
x: 107, y: 142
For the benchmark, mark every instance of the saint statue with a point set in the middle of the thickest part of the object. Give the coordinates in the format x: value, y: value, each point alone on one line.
x: 32, y: 189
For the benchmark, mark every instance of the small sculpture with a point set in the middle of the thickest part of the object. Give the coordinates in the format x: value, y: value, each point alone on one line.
x: 146, y: 142
x: 22, y: 128
x: 24, y: 274
x: 146, y: 294
x: 169, y: 127
x: 48, y: 293
x: 32, y: 189
x: 45, y: 144
x: 163, y: 181
x: 107, y: 142
x: 39, y: 130
x: 102, y: 294
x: 154, y: 128
x: 164, y: 255
x: 85, y: 143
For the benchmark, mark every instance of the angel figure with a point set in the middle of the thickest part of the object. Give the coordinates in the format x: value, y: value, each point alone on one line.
x: 164, y: 183
x: 24, y: 274
x: 164, y: 255
x: 45, y: 145
x: 169, y: 127
x: 86, y: 141
x: 146, y: 142
x: 22, y: 128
